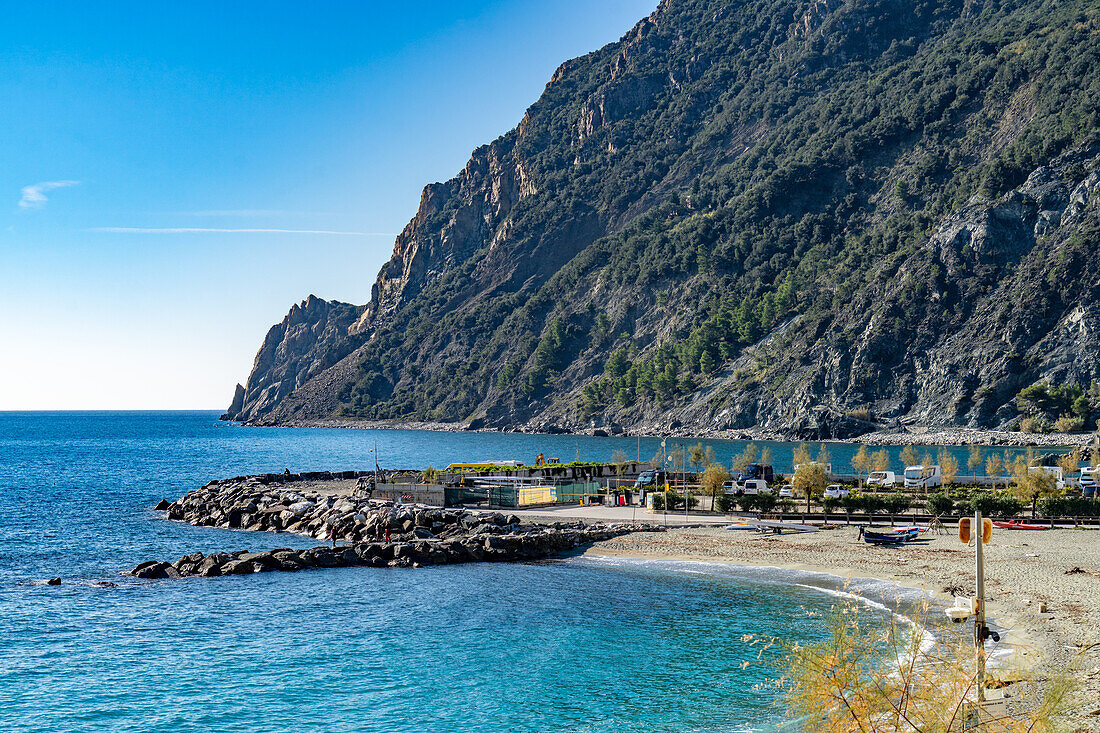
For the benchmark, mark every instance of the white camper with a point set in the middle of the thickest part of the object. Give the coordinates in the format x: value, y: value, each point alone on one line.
x: 1055, y: 471
x: 923, y: 477
x: 885, y: 479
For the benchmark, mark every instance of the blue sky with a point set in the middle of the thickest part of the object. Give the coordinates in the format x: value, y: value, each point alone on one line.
x: 125, y: 123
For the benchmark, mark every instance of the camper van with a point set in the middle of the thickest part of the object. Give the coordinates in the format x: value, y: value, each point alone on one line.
x: 923, y: 477
x: 1056, y: 472
x: 750, y: 486
x: 1089, y: 476
x: 885, y: 479
x: 754, y: 486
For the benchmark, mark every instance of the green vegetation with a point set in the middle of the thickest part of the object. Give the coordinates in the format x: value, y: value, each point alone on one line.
x: 675, y: 501
x: 732, y: 191
x: 1069, y: 506
x: 1069, y: 406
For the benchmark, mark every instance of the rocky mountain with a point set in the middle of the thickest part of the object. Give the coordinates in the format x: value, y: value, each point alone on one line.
x: 810, y: 216
x: 312, y: 338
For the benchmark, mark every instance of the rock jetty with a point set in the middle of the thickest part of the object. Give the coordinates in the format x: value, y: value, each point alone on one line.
x: 380, y: 533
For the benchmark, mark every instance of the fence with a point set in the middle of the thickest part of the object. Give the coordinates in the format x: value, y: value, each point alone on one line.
x: 515, y: 495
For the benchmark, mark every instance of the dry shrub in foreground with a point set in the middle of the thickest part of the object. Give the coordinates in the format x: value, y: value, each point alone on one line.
x: 864, y: 677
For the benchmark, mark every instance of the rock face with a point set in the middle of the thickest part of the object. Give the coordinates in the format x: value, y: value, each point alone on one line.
x: 775, y: 215
x: 312, y: 337
x: 383, y: 534
x: 236, y: 407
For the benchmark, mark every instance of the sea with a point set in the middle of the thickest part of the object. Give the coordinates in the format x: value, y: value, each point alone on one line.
x: 576, y: 644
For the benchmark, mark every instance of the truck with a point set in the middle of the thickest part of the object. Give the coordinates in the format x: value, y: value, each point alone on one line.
x: 885, y: 479
x: 923, y: 477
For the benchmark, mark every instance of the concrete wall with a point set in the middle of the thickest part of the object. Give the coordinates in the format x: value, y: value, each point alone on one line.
x: 430, y: 494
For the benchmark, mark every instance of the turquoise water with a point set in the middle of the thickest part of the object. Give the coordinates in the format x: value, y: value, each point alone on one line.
x: 572, y: 645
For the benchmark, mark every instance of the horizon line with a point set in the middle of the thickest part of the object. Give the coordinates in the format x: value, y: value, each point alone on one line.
x: 218, y: 230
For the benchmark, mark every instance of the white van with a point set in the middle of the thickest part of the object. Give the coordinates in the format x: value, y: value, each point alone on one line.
x: 1089, y: 475
x: 755, y: 486
x: 885, y: 479
x: 923, y: 477
x: 748, y: 486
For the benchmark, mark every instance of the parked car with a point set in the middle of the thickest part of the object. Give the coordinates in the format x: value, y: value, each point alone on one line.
x: 787, y: 492
x: 730, y: 487
x: 836, y: 491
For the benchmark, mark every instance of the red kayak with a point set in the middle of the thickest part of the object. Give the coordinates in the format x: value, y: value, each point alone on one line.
x: 1013, y: 524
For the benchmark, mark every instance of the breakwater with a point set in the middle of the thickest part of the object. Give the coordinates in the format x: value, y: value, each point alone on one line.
x: 379, y: 533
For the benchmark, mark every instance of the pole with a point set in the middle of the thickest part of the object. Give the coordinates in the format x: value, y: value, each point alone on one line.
x: 979, y: 617
x: 664, y: 472
x: 683, y: 472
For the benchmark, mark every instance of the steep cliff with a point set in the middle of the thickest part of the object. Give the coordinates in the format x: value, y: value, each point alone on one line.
x: 770, y: 213
x: 313, y: 337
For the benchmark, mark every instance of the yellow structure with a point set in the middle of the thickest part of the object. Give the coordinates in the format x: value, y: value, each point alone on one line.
x: 536, y: 495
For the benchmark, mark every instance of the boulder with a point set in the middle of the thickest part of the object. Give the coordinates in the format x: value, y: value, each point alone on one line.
x: 241, y: 567
x: 53, y: 581
x: 162, y: 505
x: 326, y: 558
x: 153, y: 570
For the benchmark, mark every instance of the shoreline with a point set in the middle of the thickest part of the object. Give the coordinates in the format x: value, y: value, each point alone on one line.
x: 916, y: 436
x: 1043, y: 588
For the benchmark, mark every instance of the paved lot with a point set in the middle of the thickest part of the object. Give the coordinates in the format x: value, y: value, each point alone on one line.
x: 573, y: 512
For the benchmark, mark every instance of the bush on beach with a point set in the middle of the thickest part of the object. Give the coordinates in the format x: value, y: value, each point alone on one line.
x: 866, y: 677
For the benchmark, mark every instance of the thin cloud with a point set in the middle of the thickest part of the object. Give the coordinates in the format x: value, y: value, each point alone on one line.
x: 206, y: 230
x: 254, y: 212
x: 34, y: 196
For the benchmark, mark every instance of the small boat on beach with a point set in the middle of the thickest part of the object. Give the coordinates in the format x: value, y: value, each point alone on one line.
x: 890, y: 537
x: 1016, y: 524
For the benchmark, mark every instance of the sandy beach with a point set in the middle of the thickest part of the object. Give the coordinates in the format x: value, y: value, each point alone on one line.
x: 1042, y: 586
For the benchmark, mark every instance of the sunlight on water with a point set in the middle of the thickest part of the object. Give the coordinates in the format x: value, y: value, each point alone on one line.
x: 579, y: 644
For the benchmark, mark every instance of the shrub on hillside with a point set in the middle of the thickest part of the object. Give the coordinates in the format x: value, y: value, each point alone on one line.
x: 1069, y: 424
x: 1033, y: 425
